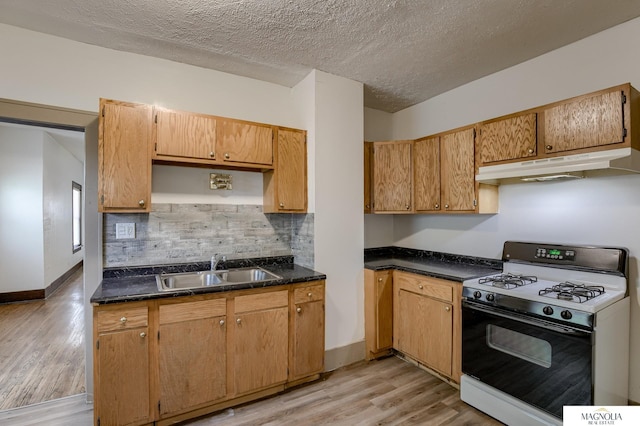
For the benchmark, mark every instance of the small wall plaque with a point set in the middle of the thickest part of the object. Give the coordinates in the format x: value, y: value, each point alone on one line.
x: 220, y: 181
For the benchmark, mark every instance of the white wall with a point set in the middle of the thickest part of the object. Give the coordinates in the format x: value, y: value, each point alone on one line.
x: 339, y: 224
x: 21, y: 229
x: 600, y: 210
x: 60, y: 168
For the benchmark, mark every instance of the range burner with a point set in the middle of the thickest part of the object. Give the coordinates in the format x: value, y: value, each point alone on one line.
x: 573, y: 292
x: 508, y: 280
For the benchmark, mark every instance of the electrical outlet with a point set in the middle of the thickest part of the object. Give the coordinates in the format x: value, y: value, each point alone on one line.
x: 125, y: 231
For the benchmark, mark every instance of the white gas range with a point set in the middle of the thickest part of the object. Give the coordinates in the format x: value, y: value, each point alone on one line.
x: 551, y: 330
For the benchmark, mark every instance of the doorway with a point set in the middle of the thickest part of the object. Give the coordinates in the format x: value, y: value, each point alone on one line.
x: 81, y: 285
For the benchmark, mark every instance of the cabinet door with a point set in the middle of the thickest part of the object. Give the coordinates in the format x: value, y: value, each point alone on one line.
x: 378, y: 300
x: 457, y: 170
x: 192, y: 354
x: 511, y: 138
x: 291, y: 170
x: 590, y: 121
x: 426, y: 161
x: 243, y: 142
x: 308, y: 339
x: 425, y: 330
x: 124, y: 157
x: 392, y: 177
x: 261, y: 347
x: 183, y: 134
x: 122, y: 377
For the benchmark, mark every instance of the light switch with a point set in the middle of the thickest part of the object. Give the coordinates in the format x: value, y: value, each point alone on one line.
x: 125, y: 231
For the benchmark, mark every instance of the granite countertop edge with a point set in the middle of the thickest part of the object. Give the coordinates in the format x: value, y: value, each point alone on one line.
x: 139, y: 284
x: 447, y: 266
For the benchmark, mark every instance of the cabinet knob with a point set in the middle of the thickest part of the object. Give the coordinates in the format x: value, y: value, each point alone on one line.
x: 367, y: 206
x: 221, y: 322
x: 309, y: 294
x: 447, y: 308
x: 298, y: 310
x: 141, y: 203
x: 281, y: 205
x: 446, y: 206
x: 143, y: 334
x: 548, y: 147
x: 379, y: 280
x: 212, y: 154
x: 226, y: 155
x: 420, y: 286
x: 437, y: 206
x: 530, y: 151
x: 123, y: 320
x: 407, y: 206
x: 238, y: 321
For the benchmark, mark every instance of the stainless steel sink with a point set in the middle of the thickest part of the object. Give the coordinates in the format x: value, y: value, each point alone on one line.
x: 188, y: 280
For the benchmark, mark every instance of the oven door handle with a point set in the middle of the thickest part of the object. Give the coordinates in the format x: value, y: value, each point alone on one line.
x: 521, y: 318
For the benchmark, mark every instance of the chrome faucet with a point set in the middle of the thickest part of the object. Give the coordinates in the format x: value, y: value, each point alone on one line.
x: 217, y: 258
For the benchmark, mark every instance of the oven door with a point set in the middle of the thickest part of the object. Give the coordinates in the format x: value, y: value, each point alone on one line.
x: 541, y: 363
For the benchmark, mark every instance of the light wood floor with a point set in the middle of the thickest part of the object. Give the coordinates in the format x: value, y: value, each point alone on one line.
x: 42, y: 347
x: 384, y: 392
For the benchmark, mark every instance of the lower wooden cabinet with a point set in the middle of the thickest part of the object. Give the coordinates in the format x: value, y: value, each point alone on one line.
x: 121, y: 365
x: 261, y: 341
x: 416, y: 315
x: 378, y: 313
x: 169, y: 360
x: 192, y: 358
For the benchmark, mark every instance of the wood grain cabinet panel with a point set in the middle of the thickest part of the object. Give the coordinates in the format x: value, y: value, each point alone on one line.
x: 587, y: 122
x: 378, y: 300
x: 510, y: 138
x: 457, y: 170
x: 121, y: 372
x: 243, y: 142
x: 285, y: 188
x: 393, y: 177
x: 307, y: 347
x: 368, y: 149
x: 185, y: 134
x: 124, y: 157
x: 426, y: 163
x: 192, y: 354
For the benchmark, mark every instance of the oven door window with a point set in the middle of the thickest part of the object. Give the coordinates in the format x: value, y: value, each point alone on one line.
x: 523, y: 346
x: 545, y: 366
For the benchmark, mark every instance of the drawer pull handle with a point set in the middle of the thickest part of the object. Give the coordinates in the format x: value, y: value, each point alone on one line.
x: 420, y: 286
x: 123, y: 320
x: 309, y: 294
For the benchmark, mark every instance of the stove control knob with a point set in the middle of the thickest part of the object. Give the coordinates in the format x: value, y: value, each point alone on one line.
x: 547, y: 310
x: 477, y: 295
x: 490, y: 297
x: 566, y: 315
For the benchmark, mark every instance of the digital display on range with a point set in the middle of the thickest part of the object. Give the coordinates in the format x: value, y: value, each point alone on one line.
x: 555, y: 254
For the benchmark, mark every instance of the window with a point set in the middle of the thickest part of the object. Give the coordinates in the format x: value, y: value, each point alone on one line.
x: 76, y: 207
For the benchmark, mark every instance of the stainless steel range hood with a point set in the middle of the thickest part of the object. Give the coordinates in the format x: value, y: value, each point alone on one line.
x: 623, y: 159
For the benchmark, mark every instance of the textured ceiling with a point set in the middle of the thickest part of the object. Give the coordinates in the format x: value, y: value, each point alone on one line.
x: 403, y: 51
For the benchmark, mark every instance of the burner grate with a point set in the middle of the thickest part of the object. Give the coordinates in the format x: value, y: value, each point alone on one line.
x: 573, y: 292
x: 508, y: 281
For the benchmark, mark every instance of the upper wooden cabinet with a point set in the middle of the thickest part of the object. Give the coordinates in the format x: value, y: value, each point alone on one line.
x: 244, y: 142
x: 368, y: 153
x: 124, y: 157
x: 444, y: 178
x: 285, y: 188
x: 510, y: 138
x: 185, y: 134
x: 392, y: 177
x: 589, y: 121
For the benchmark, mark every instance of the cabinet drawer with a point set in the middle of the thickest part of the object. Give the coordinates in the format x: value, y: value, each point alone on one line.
x: 309, y: 293
x: 122, y: 318
x: 257, y: 302
x: 187, y: 311
x: 432, y: 287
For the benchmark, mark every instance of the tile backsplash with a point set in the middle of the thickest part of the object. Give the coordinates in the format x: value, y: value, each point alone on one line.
x: 183, y: 233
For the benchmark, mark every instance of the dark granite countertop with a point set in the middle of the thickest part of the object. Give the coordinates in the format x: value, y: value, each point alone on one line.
x: 139, y: 283
x: 434, y: 264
